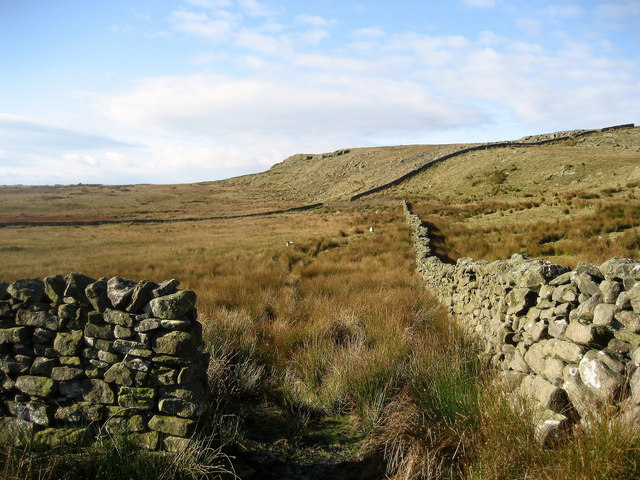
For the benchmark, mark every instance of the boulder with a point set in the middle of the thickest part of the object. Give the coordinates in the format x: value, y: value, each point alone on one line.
x: 174, y: 306
x: 30, y: 290
x: 597, y: 374
x: 96, y: 293
x: 119, y: 291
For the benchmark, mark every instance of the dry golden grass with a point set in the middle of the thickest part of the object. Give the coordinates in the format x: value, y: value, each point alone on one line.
x: 95, y: 202
x: 576, y: 200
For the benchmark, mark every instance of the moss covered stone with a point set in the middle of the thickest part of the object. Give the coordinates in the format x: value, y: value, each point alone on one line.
x: 179, y: 427
x: 36, y: 386
x: 68, y: 344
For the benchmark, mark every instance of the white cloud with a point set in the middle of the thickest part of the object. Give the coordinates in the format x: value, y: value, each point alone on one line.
x: 201, y: 24
x: 278, y: 45
x: 321, y: 105
x: 481, y: 3
x: 314, y: 21
x: 314, y: 37
x: 255, y: 8
x: 371, y: 32
x: 563, y: 11
x: 210, y: 3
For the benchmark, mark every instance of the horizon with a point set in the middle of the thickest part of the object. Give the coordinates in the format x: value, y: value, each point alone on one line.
x: 189, y: 91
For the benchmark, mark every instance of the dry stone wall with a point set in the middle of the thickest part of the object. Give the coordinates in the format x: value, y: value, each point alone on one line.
x: 567, y: 339
x: 81, y: 357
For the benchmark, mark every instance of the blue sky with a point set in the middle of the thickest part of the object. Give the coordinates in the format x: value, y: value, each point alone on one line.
x: 168, y: 91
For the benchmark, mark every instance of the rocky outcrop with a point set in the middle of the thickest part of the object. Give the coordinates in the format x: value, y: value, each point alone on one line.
x: 568, y: 339
x: 80, y: 357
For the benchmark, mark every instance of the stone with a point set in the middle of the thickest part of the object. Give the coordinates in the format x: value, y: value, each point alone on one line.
x: 176, y: 343
x: 99, y: 330
x: 76, y: 285
x: 618, y: 268
x: 587, y: 334
x: 4, y: 294
x: 70, y: 361
x: 80, y: 413
x: 567, y: 351
x: 141, y: 295
x: 33, y: 317
x: 630, y: 320
x: 596, y: 374
x: 623, y: 302
x: 583, y: 400
x: 635, y: 357
x: 180, y: 408
x: 563, y: 279
x: 42, y: 366
x: 628, y: 337
x: 193, y: 393
x: 16, y: 432
x: 130, y: 347
x: 165, y: 288
x: 191, y: 374
x: 549, y: 425
x: 30, y: 290
x: 58, y: 437
x: 147, y: 325
x: 586, y: 284
x: 176, y: 324
x: 545, y: 394
x: 96, y: 293
x: 14, y: 335
x: 71, y: 388
x: 15, y: 364
x: 173, y: 306
x: 178, y: 427
x: 589, y: 269
x: 117, y: 317
x: 64, y: 374
x: 34, y: 412
x: 557, y: 328
x: 603, y: 314
x: 634, y: 385
x: 139, y: 398
x: 147, y: 440
x: 36, y: 386
x: 176, y: 444
x: 123, y: 332
x: 119, y: 374
x: 54, y: 288
x: 138, y: 364
x: 586, y: 309
x: 108, y: 357
x: 634, y: 297
x: 164, y: 376
x: 565, y: 293
x: 68, y: 344
x: 67, y: 313
x: 124, y: 425
x: 97, y: 391
x: 119, y: 291
x: 610, y: 290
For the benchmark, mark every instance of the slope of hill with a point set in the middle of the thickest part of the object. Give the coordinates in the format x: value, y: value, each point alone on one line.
x: 576, y: 199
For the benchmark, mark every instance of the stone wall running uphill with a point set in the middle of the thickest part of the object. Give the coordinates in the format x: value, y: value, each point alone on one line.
x: 567, y: 339
x: 81, y: 357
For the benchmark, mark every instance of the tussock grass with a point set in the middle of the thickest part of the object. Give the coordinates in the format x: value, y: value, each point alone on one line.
x: 116, y: 457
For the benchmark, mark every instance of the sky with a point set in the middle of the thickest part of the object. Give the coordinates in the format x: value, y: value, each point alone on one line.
x: 175, y: 91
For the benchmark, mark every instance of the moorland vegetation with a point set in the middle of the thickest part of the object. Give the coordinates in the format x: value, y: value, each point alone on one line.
x: 329, y: 359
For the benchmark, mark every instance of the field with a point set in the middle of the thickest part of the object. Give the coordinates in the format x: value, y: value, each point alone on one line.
x: 329, y: 358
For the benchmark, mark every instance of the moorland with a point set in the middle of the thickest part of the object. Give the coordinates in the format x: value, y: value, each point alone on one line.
x: 329, y: 359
